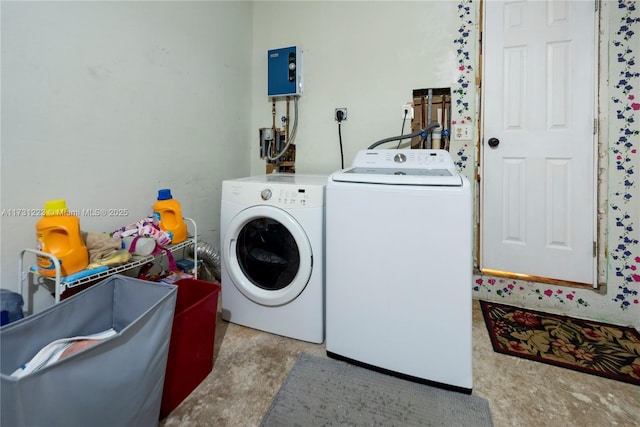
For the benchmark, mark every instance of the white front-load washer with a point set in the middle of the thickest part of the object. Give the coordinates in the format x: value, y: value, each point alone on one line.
x: 272, y: 253
x: 399, y: 266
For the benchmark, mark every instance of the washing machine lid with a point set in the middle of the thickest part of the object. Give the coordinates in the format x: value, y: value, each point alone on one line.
x: 402, y: 167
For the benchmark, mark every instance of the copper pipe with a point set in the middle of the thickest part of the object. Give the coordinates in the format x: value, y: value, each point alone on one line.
x: 273, y: 126
x: 286, y: 127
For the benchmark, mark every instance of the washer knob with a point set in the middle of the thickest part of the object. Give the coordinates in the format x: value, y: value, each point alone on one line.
x: 265, y: 194
x: 399, y: 158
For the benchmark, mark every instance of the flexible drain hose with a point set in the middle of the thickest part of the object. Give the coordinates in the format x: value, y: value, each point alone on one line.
x: 422, y: 133
x: 210, y: 257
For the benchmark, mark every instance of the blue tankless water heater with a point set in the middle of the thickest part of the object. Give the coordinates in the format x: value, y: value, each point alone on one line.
x: 284, y: 72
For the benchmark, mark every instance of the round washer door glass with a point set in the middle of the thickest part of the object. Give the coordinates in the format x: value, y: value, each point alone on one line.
x: 268, y: 255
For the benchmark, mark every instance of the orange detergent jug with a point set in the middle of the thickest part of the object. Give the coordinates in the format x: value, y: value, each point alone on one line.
x: 58, y: 233
x: 168, y: 212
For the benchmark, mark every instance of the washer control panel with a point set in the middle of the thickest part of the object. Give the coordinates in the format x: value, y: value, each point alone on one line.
x: 403, y: 167
x: 404, y: 158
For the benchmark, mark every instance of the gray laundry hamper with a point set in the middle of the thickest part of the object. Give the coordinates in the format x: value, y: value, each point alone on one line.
x: 117, y: 382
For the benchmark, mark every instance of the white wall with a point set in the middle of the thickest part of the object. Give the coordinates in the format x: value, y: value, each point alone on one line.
x: 104, y: 103
x: 365, y: 56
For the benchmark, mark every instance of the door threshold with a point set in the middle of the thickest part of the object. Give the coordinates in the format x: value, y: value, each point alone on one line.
x: 538, y: 279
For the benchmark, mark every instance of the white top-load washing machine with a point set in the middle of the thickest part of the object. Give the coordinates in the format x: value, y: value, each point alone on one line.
x: 399, y: 266
x: 272, y: 253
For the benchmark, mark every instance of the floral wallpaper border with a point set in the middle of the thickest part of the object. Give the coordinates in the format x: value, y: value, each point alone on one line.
x: 465, y: 60
x: 624, y: 214
x: 624, y: 154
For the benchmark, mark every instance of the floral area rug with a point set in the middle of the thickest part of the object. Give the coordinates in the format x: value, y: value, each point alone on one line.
x: 582, y: 345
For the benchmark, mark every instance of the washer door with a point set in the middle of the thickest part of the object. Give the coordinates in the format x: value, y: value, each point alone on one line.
x: 267, y: 255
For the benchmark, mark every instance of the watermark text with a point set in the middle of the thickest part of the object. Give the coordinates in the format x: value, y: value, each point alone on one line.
x: 86, y: 212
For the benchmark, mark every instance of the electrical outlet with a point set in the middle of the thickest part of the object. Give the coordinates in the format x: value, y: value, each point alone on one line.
x: 462, y: 132
x: 342, y: 111
x: 407, y: 112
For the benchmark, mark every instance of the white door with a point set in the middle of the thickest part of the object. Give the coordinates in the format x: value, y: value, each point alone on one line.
x: 538, y: 161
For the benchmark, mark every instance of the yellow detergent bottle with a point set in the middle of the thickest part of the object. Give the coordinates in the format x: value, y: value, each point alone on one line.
x: 58, y: 233
x: 168, y: 212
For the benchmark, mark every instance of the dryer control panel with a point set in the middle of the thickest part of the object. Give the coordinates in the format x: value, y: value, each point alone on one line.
x: 287, y: 197
x: 277, y: 190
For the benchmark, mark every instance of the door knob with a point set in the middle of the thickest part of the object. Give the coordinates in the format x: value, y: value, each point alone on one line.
x: 493, y: 142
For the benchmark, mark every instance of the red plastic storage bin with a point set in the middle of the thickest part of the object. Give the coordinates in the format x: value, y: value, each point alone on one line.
x: 190, y: 357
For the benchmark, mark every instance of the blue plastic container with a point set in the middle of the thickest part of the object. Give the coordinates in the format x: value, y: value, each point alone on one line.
x: 10, y: 306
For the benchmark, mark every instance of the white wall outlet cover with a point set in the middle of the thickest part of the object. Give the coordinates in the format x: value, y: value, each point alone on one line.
x: 462, y: 132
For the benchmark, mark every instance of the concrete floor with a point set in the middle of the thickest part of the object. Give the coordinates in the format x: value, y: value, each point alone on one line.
x: 250, y: 366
